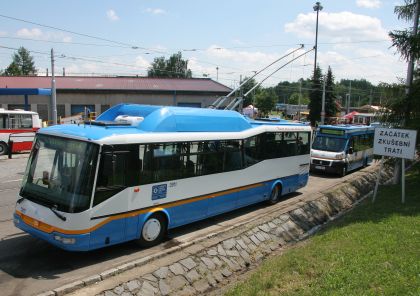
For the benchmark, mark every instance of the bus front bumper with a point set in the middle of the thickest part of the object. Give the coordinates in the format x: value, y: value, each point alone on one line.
x: 327, y: 166
x: 80, y: 242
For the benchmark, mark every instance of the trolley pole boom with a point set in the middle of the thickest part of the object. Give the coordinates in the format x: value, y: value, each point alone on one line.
x: 258, y: 72
x: 259, y: 83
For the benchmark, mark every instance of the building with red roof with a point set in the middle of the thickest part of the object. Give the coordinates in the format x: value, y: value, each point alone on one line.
x: 74, y: 93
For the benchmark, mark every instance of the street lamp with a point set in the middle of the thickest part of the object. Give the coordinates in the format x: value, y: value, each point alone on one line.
x: 217, y: 73
x: 317, y: 7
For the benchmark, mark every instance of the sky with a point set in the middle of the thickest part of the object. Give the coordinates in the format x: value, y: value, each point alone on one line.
x: 221, y: 39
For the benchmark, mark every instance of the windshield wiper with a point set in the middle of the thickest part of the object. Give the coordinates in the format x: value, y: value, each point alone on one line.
x: 54, y: 210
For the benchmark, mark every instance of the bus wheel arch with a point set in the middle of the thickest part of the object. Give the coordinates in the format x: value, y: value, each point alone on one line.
x: 4, y: 148
x: 154, y: 229
x: 275, y: 192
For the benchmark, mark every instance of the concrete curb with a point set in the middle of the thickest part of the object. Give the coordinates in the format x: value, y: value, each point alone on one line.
x: 294, y: 225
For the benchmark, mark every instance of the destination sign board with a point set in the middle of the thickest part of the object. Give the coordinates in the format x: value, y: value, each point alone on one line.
x: 400, y: 143
x: 332, y: 131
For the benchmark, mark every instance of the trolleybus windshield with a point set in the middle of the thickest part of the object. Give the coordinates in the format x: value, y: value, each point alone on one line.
x: 60, y: 173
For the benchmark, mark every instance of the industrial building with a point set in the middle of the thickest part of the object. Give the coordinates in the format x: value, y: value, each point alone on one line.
x: 97, y: 94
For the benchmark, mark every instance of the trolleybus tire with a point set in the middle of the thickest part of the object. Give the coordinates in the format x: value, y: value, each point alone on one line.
x: 3, y: 148
x: 274, y: 195
x: 153, y: 231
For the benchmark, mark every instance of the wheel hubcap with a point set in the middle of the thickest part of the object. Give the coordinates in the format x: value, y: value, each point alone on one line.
x: 151, y: 229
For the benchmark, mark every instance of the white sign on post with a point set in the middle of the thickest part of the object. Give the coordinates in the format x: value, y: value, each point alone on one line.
x: 400, y: 143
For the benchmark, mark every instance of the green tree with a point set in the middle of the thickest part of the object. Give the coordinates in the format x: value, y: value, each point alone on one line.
x: 294, y: 99
x: 265, y: 100
x: 22, y: 64
x: 315, y: 97
x: 407, y: 42
x: 330, y: 104
x: 174, y: 67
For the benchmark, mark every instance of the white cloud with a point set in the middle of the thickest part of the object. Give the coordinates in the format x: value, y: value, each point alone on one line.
x: 341, y: 26
x: 34, y: 33
x: 67, y: 39
x: 142, y: 63
x: 38, y: 34
x: 368, y: 3
x: 372, y: 64
x: 155, y: 11
x: 3, y: 33
x: 112, y: 15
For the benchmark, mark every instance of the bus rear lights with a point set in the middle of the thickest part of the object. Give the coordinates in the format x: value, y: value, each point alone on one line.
x: 136, y: 189
x: 65, y: 240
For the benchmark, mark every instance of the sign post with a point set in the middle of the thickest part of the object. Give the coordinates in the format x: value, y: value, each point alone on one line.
x: 399, y: 143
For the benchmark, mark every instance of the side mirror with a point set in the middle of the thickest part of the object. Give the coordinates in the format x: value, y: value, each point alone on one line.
x: 351, y: 150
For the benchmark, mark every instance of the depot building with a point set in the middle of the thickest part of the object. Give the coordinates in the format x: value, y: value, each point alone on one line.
x: 97, y: 94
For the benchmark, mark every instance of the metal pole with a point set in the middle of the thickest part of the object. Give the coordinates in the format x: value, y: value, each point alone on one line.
x: 403, y: 180
x: 348, y: 105
x: 53, y: 92
x: 317, y: 8
x: 300, y: 95
x: 217, y: 73
x: 377, y: 179
x: 323, y: 102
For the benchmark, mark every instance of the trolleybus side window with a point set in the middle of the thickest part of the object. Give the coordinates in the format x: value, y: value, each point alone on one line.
x: 119, y: 168
x: 303, y: 143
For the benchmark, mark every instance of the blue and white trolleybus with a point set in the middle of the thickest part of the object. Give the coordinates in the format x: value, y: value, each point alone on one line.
x: 139, y: 171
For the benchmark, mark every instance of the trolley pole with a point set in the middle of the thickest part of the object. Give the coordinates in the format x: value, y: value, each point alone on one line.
x: 53, y: 92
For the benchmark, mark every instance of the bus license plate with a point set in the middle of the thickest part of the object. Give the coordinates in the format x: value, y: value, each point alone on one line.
x: 319, y: 167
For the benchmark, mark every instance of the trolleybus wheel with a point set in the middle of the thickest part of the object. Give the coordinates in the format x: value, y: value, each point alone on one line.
x: 3, y: 148
x: 153, y: 231
x: 275, y: 195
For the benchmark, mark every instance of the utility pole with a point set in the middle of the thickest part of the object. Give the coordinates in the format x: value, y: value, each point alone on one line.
x: 323, y: 102
x: 300, y: 95
x: 317, y: 7
x: 53, y: 92
x: 217, y: 73
x: 349, y: 99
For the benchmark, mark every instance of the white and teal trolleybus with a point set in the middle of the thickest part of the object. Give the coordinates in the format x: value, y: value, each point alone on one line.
x: 139, y: 171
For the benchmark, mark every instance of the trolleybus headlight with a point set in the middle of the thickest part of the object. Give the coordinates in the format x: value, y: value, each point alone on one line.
x: 65, y: 240
x: 339, y: 156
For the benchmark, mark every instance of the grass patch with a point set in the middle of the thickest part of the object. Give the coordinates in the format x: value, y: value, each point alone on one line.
x: 373, y: 250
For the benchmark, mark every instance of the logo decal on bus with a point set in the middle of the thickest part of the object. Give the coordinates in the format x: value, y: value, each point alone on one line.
x: 159, y: 191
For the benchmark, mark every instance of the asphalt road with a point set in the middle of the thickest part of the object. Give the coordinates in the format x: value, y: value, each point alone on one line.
x: 30, y: 266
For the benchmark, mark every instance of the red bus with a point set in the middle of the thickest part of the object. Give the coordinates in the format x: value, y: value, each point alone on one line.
x: 18, y: 126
